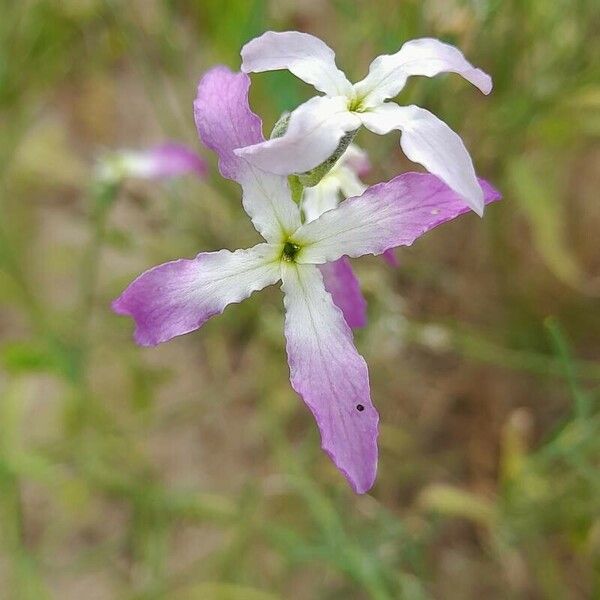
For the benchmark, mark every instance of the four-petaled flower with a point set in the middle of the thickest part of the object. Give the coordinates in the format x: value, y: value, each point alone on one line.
x: 325, y: 367
x: 316, y: 127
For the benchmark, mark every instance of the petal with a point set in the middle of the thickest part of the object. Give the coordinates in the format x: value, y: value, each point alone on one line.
x: 356, y: 159
x: 430, y: 142
x: 179, y: 296
x: 225, y: 122
x: 314, y: 132
x: 173, y: 159
x: 350, y: 184
x: 330, y: 375
x: 425, y: 56
x: 342, y: 284
x: 224, y: 119
x: 306, y: 56
x: 390, y: 258
x: 387, y: 215
x: 322, y: 197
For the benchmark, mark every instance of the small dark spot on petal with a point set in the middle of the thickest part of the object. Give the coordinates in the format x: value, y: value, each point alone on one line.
x: 360, y: 407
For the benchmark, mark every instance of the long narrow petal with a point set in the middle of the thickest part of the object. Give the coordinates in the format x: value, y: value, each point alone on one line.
x: 425, y: 56
x: 387, y: 215
x: 428, y: 141
x: 344, y: 288
x: 179, y: 296
x: 330, y: 375
x: 314, y: 132
x: 225, y: 122
x: 305, y: 55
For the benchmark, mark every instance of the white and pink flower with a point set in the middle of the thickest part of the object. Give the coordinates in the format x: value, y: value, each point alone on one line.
x: 325, y: 368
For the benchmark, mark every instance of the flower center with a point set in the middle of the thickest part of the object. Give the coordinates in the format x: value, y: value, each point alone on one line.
x: 289, y: 251
x: 355, y: 104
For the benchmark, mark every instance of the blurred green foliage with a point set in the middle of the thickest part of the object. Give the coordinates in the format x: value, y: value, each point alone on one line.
x: 191, y: 471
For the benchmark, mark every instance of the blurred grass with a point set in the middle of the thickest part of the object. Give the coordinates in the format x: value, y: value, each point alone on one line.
x: 192, y: 471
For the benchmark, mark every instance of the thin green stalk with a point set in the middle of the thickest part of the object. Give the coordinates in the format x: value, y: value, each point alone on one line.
x: 10, y: 265
x: 477, y: 348
x: 26, y: 582
x: 103, y: 197
x: 582, y: 401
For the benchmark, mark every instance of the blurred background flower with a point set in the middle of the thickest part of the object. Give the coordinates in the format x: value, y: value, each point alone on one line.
x: 164, y: 161
x: 192, y: 471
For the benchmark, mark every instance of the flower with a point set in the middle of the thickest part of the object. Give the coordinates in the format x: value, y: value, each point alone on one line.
x: 317, y: 126
x: 342, y: 181
x: 158, y: 162
x: 325, y: 368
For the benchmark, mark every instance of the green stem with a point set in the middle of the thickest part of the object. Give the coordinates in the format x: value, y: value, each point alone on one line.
x: 582, y: 401
x: 10, y: 265
x: 26, y: 581
x: 103, y: 198
x: 80, y: 408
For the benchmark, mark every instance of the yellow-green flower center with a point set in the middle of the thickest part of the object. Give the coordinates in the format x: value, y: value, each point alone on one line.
x: 355, y: 104
x: 290, y: 250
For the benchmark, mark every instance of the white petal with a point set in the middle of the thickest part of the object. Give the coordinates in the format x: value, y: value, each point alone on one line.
x: 426, y: 56
x: 322, y: 197
x: 330, y: 375
x: 306, y: 56
x: 350, y: 184
x: 430, y: 142
x: 314, y: 132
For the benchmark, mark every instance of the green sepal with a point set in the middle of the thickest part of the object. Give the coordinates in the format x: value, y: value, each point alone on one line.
x: 281, y: 126
x: 296, y: 188
x: 312, y: 177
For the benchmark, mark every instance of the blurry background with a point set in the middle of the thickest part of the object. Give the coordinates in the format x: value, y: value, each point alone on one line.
x: 191, y: 471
